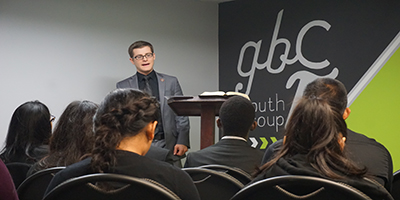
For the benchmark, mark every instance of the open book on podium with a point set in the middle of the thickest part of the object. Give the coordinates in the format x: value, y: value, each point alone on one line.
x: 223, y: 94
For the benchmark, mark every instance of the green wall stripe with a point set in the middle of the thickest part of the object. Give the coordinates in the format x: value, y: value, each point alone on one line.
x: 376, y: 111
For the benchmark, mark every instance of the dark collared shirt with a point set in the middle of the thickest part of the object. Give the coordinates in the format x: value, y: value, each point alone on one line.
x: 152, y: 81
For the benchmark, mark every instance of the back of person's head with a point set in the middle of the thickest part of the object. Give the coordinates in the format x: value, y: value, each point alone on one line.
x: 329, y: 89
x: 73, y: 134
x: 123, y: 113
x: 237, y: 116
x: 316, y: 128
x: 29, y: 127
x: 138, y: 45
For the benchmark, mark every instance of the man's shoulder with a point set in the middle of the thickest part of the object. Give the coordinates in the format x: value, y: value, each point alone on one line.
x: 166, y: 76
x: 228, y: 145
x: 358, y: 138
x: 125, y: 82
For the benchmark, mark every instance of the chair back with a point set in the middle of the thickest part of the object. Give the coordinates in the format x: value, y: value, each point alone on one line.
x: 34, y: 187
x: 396, y: 185
x: 299, y: 187
x: 88, y: 187
x: 235, y: 172
x: 18, y: 172
x: 213, y: 184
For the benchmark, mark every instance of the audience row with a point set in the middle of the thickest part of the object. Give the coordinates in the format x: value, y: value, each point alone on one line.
x: 116, y: 137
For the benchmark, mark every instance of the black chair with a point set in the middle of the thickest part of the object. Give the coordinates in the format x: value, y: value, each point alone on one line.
x: 299, y: 187
x: 235, y: 172
x: 18, y: 172
x: 34, y: 187
x: 89, y: 187
x: 213, y: 184
x: 396, y: 185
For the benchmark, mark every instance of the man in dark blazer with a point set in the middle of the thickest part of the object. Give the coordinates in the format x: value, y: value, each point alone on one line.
x: 236, y: 120
x: 172, y: 131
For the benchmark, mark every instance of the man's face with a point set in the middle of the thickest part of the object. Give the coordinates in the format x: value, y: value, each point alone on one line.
x: 143, y: 59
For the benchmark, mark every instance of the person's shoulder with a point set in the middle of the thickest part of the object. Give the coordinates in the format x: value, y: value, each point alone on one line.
x: 166, y: 76
x: 76, y: 169
x: 159, y: 153
x: 212, y: 148
x: 358, y: 138
x: 161, y: 166
x: 125, y: 80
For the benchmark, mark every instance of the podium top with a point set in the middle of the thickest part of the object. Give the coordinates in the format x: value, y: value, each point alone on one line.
x: 194, y: 105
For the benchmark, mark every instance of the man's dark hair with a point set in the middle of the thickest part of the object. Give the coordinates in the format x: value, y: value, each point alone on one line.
x: 330, y: 89
x: 139, y: 44
x: 237, y: 115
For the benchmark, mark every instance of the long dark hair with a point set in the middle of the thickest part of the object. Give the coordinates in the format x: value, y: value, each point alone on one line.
x: 29, y: 128
x: 315, y: 128
x: 73, y: 135
x: 123, y: 113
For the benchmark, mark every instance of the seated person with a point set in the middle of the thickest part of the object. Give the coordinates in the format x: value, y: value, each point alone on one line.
x: 236, y: 120
x: 72, y: 136
x: 313, y: 145
x: 124, y: 129
x: 7, y: 188
x: 28, y: 134
x: 361, y: 149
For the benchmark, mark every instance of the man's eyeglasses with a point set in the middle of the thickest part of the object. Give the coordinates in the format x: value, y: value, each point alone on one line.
x: 141, y: 57
x: 52, y: 118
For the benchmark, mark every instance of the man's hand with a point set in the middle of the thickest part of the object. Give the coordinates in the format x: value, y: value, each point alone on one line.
x: 180, y: 149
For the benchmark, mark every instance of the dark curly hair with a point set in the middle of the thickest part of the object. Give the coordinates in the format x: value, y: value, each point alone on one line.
x: 123, y: 113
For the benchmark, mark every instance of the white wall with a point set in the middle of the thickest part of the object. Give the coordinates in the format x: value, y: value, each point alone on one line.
x: 65, y: 50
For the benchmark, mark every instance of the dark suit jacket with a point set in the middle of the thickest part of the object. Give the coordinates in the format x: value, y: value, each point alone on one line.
x: 229, y: 152
x: 176, y: 128
x: 134, y: 165
x: 364, y: 151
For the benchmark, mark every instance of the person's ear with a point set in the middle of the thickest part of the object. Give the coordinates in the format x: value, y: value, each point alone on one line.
x: 284, y: 139
x: 151, y: 127
x: 342, y: 142
x: 253, y: 126
x: 219, y: 123
x: 154, y: 56
x: 131, y: 59
x: 346, y: 113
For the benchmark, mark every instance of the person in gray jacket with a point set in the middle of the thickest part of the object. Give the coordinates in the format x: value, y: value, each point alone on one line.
x: 172, y: 131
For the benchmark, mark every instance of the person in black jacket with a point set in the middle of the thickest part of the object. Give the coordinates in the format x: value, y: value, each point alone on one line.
x: 236, y: 120
x: 124, y: 127
x: 314, y: 141
x: 360, y: 149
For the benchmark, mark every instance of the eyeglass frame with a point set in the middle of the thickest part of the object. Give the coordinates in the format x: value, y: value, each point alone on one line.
x: 147, y: 56
x: 52, y: 118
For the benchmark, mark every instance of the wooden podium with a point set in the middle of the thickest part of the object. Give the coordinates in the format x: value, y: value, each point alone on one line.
x: 205, y: 107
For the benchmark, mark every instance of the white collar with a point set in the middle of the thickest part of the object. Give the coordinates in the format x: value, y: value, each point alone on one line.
x: 233, y: 137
